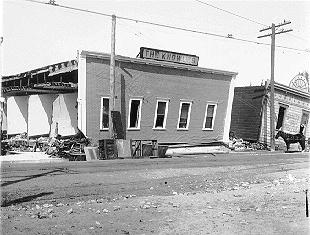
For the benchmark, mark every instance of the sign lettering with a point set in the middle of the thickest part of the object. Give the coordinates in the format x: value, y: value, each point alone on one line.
x: 155, y: 54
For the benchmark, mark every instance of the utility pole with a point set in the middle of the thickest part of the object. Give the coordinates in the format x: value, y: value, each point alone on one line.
x: 112, y: 78
x: 1, y: 99
x: 273, y: 28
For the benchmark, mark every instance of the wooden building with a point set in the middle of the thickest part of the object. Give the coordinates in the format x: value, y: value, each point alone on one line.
x: 173, y: 102
x: 251, y: 111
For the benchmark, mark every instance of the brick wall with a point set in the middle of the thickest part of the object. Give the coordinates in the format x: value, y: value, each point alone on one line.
x: 151, y: 82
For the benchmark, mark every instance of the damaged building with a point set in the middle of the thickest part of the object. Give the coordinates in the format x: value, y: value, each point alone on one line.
x: 250, y: 118
x: 160, y: 95
x: 42, y: 101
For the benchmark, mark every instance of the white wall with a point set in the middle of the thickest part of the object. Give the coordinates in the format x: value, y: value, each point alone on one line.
x: 39, y: 114
x: 17, y: 112
x: 65, y: 114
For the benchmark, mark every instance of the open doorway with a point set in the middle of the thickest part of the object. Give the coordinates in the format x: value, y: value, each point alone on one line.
x: 281, y: 115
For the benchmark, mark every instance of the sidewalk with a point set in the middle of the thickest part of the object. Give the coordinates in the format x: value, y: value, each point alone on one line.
x: 30, y: 157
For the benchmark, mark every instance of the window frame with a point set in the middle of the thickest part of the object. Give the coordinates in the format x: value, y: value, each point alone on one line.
x: 140, y: 111
x: 213, y: 117
x: 165, y: 117
x: 284, y: 116
x: 189, y: 115
x: 101, y: 112
x: 306, y: 112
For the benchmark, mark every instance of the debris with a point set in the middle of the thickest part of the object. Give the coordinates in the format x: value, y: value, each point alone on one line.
x: 243, y: 222
x: 105, y: 211
x: 238, y: 144
x: 98, y: 224
x: 70, y: 211
x: 145, y: 206
x: 49, y: 210
x: 117, y: 208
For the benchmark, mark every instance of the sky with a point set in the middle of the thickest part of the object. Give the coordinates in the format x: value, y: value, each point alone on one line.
x: 36, y: 35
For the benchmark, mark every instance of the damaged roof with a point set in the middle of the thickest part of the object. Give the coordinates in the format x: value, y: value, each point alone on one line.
x: 53, y: 69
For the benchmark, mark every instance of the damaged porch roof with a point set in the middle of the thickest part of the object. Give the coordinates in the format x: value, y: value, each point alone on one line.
x: 55, y: 78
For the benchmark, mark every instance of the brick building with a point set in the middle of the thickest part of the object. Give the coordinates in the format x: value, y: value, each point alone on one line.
x: 173, y: 102
x: 170, y: 102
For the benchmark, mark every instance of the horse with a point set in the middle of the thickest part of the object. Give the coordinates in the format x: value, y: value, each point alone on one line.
x: 293, y: 138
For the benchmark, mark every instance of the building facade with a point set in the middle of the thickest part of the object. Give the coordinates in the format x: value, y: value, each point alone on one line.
x: 165, y: 101
x: 173, y: 102
x: 251, y: 112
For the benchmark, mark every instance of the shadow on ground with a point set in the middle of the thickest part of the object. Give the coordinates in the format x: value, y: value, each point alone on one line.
x: 6, y: 203
x: 58, y: 170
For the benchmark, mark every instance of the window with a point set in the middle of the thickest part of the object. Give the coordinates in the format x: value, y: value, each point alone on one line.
x: 161, y: 114
x: 281, y: 114
x: 134, y: 113
x: 184, y: 115
x: 104, y: 113
x: 304, y: 120
x: 209, y: 117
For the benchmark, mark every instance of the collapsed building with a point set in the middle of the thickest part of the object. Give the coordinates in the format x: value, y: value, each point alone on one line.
x: 41, y: 101
x: 161, y: 96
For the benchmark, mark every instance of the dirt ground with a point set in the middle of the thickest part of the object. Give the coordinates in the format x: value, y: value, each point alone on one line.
x: 245, y: 199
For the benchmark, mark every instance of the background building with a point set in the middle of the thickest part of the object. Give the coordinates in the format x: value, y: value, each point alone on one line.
x: 251, y: 111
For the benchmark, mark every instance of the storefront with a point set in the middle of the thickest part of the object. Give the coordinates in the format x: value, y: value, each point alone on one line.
x: 172, y: 101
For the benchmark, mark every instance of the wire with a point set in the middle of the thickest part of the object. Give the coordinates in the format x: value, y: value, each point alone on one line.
x: 229, y: 36
x: 245, y: 18
x: 229, y: 12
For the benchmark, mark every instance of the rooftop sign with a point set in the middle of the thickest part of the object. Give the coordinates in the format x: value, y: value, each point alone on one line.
x: 169, y: 56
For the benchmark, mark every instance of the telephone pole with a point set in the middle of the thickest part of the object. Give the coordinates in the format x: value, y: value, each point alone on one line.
x: 1, y: 98
x: 273, y: 33
x: 112, y: 78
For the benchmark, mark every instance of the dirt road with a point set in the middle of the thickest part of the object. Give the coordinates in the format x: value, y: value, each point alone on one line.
x: 246, y: 193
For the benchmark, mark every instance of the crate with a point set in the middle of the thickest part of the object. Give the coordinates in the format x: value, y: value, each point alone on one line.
x: 107, y: 149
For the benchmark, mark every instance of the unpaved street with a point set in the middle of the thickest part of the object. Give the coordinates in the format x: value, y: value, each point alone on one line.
x: 238, y: 193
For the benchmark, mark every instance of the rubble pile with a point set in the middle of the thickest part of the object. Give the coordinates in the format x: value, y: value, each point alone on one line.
x: 65, y: 147
x: 239, y: 144
x: 16, y: 143
x: 68, y: 148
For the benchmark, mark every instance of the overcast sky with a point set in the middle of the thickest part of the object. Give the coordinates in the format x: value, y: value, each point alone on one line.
x: 37, y: 35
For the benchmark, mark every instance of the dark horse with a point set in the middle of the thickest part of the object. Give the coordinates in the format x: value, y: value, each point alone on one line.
x: 293, y: 138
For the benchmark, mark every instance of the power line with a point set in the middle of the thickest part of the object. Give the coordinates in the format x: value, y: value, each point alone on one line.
x: 242, y: 17
x: 229, y: 36
x: 229, y: 12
